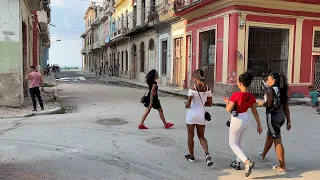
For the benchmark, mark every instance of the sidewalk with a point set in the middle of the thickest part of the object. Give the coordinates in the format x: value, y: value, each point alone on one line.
x: 51, y: 105
x: 217, y: 100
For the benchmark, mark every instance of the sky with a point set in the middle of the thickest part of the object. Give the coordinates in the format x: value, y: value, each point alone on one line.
x: 67, y: 16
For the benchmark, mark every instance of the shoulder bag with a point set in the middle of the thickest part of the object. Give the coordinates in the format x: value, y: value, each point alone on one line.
x: 207, y: 115
x: 144, y: 97
x: 234, y: 113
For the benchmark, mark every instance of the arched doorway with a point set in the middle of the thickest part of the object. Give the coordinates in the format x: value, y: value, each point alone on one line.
x: 142, y: 57
x: 134, y: 61
x: 151, y: 55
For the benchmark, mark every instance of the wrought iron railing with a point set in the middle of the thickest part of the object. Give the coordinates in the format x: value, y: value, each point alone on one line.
x: 181, y: 5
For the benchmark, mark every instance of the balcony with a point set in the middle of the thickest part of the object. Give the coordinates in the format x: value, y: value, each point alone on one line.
x: 153, y: 15
x: 96, y: 23
x: 84, y: 51
x: 181, y: 5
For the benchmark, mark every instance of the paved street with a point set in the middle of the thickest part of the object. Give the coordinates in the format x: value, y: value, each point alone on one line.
x: 99, y: 140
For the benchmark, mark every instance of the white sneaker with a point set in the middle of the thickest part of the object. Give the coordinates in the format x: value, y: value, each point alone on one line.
x: 209, y: 160
x: 248, y: 168
x: 260, y: 155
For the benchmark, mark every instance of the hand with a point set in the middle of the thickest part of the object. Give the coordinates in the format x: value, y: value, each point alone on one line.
x: 150, y: 106
x: 288, y: 126
x: 259, y: 129
x: 42, y: 89
x: 260, y: 103
x: 226, y: 100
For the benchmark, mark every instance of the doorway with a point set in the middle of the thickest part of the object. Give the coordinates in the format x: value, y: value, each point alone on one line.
x: 25, y: 58
x: 134, y: 61
x: 142, y: 57
x: 268, y: 50
x: 177, y: 62
x: 317, y: 73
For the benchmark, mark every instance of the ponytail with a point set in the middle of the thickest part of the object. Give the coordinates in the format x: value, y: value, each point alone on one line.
x: 283, y: 86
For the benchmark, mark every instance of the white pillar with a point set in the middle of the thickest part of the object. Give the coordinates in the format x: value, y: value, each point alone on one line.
x: 139, y: 12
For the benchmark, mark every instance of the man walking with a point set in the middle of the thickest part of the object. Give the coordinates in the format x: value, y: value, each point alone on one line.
x: 35, y: 79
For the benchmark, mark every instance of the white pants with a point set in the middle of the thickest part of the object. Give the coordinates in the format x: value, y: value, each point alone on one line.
x: 238, y: 128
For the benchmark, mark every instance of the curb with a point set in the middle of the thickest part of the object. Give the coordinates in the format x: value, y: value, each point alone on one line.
x: 292, y: 102
x: 49, y: 112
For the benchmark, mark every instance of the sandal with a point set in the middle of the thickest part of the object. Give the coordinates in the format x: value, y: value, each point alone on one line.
x: 276, y: 168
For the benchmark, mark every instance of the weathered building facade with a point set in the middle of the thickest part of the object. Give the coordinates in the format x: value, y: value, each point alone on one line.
x: 228, y: 37
x: 18, y: 44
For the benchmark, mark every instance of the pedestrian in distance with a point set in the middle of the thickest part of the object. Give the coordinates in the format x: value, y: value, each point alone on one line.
x: 277, y: 110
x: 198, y: 96
x: 238, y: 106
x: 314, y: 98
x: 36, y: 80
x: 152, y: 100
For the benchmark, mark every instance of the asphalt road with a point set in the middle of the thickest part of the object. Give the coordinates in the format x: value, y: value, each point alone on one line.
x: 99, y: 140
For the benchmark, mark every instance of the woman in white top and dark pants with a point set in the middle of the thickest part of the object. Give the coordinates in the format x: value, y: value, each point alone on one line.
x: 198, y: 97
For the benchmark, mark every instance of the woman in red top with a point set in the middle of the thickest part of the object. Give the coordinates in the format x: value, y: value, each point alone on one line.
x: 238, y: 105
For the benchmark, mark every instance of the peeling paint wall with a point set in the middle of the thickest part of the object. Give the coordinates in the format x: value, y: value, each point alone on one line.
x: 11, y: 71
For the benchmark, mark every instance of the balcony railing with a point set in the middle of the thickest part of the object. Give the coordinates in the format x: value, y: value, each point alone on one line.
x: 153, y: 14
x: 165, y: 10
x: 180, y: 5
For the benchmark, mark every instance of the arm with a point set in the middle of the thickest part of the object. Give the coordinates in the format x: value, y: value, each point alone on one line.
x: 153, y: 90
x: 256, y: 117
x: 287, y: 113
x: 209, y: 102
x: 42, y: 82
x: 28, y: 77
x: 229, y: 106
x: 269, y: 95
x: 188, y: 103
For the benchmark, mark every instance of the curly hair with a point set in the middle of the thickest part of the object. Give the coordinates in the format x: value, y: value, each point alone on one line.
x: 199, y: 74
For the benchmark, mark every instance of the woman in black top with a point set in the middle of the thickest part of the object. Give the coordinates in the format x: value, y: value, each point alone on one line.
x: 277, y: 109
x: 153, y: 101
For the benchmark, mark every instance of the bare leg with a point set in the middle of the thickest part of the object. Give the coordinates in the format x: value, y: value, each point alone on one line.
x: 202, y: 139
x: 267, y: 146
x: 162, y: 116
x: 280, y: 153
x: 190, y: 129
x: 145, y: 115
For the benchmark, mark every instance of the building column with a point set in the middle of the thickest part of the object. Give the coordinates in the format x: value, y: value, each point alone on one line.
x: 241, y: 44
x: 233, y: 47
x: 297, y: 54
x: 226, y: 21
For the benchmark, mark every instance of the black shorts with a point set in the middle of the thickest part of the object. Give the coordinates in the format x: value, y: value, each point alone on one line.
x: 275, y: 121
x: 155, y: 105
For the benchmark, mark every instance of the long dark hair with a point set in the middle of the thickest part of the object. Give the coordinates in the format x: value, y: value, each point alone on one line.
x: 282, y: 83
x: 150, y: 76
x: 246, y: 78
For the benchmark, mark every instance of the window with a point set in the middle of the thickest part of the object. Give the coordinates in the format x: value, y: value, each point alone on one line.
x: 127, y: 19
x: 122, y: 61
x: 127, y: 61
x: 316, y: 39
x: 122, y: 19
x: 164, y: 57
x: 207, y: 47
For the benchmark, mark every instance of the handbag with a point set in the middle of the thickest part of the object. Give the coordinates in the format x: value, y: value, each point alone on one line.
x: 234, y: 113
x: 207, y: 116
x: 144, y: 98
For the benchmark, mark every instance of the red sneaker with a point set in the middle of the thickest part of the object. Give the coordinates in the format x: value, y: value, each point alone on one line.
x: 142, y: 126
x: 168, y: 125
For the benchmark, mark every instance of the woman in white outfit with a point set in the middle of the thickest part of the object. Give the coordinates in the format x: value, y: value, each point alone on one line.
x: 238, y: 105
x: 199, y: 96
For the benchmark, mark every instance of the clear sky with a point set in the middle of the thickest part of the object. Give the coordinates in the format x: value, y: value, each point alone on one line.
x: 68, y: 16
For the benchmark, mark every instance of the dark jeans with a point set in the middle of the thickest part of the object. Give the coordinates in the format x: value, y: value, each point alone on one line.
x: 36, y: 92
